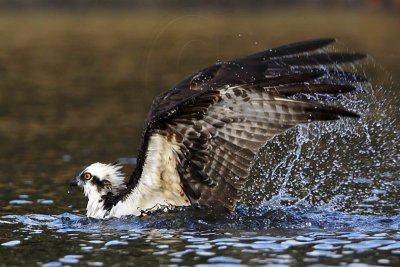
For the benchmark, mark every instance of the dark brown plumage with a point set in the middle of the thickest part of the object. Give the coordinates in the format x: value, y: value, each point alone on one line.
x: 219, y: 117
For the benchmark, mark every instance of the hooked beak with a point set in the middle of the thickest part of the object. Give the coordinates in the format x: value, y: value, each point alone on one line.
x: 74, y: 181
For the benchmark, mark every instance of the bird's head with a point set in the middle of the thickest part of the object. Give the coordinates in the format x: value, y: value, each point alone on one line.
x: 100, y: 179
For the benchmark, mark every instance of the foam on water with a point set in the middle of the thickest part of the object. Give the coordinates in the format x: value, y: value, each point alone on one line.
x: 245, y: 218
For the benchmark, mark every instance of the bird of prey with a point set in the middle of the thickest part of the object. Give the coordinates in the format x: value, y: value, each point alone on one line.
x: 201, y: 136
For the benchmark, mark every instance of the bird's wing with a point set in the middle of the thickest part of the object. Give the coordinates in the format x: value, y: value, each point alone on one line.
x: 282, y: 60
x: 217, y: 119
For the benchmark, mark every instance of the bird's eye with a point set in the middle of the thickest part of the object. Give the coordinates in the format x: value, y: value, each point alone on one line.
x: 87, y: 176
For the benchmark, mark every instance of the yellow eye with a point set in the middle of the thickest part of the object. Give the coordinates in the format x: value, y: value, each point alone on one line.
x: 87, y: 176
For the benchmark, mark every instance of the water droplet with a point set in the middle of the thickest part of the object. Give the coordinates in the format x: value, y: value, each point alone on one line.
x: 116, y: 243
x: 45, y: 201
x: 95, y: 263
x: 12, y: 243
x: 52, y: 264
x: 224, y: 259
x: 20, y: 202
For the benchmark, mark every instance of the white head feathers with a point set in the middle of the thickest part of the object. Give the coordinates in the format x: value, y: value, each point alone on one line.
x: 99, y: 180
x: 109, y: 175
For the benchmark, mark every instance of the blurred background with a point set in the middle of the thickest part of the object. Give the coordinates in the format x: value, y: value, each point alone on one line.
x: 77, y: 77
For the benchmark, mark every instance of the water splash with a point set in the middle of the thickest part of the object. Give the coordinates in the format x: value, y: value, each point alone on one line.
x: 348, y: 165
x: 245, y: 218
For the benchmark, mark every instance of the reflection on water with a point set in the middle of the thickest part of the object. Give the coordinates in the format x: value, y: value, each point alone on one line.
x: 76, y: 91
x: 252, y: 236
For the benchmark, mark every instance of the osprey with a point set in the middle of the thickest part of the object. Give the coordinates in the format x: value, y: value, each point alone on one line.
x: 201, y: 137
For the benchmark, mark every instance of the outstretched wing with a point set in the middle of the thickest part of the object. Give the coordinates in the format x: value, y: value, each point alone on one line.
x: 219, y: 134
x: 216, y: 120
x: 274, y: 62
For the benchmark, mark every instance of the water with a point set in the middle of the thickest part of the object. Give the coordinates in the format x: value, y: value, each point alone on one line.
x: 324, y: 194
x: 284, y: 237
x: 345, y: 214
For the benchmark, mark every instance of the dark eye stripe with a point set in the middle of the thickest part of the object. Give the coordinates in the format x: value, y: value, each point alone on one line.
x: 96, y: 181
x: 100, y: 184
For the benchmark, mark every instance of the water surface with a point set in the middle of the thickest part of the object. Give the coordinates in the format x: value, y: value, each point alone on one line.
x: 76, y: 91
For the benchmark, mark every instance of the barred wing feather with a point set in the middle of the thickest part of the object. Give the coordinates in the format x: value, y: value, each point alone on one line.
x: 217, y: 119
x: 219, y: 139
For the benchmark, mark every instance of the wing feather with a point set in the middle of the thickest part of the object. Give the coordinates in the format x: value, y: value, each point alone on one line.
x: 293, y: 48
x: 241, y: 126
x: 218, y: 118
